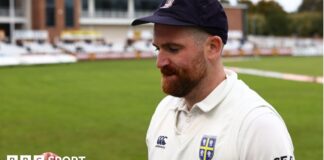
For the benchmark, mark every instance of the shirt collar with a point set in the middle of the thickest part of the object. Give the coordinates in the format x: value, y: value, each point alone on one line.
x: 214, y: 98
x: 219, y: 93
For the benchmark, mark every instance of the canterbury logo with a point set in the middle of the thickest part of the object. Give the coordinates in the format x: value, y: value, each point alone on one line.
x: 161, y: 140
x: 168, y: 4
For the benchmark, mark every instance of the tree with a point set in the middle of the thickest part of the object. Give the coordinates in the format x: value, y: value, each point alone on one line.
x: 311, y: 5
x: 256, y: 24
x: 269, y: 7
x: 309, y: 19
x: 276, y: 17
x: 269, y: 18
x: 306, y: 24
x: 250, y: 5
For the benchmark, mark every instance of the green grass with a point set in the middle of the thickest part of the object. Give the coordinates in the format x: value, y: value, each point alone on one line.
x: 97, y: 109
x: 312, y: 66
x: 102, y: 109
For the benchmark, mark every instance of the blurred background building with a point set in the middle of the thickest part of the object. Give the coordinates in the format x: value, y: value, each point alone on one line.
x: 64, y: 31
x: 112, y: 18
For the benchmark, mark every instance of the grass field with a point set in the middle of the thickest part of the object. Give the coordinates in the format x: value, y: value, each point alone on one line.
x: 312, y: 66
x: 102, y: 109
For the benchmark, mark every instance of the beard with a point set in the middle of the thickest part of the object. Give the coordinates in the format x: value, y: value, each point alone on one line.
x: 178, y: 81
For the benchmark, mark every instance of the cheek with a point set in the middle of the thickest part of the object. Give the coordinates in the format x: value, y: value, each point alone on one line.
x: 199, y: 65
x: 185, y: 59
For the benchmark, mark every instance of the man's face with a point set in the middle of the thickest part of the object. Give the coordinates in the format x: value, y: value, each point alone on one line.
x: 181, y: 60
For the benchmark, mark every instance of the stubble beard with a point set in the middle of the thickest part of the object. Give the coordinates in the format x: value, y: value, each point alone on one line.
x: 183, y: 80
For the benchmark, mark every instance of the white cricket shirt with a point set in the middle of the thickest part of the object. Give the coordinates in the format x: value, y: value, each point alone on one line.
x: 231, y: 123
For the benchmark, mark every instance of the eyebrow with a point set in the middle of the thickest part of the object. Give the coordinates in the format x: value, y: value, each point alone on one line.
x: 167, y: 44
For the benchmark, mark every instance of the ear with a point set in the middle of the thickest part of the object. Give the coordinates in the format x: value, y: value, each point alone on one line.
x: 213, y: 47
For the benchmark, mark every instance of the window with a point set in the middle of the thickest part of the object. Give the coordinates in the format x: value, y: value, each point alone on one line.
x: 69, y: 13
x: 85, y: 5
x: 50, y: 13
x: 111, y: 8
x: 4, y: 4
x: 146, y: 5
x: 111, y: 5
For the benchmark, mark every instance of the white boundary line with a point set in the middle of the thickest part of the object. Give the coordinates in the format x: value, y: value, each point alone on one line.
x: 272, y: 74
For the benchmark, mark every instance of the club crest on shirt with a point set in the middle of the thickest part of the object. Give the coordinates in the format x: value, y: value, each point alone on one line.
x: 207, y: 147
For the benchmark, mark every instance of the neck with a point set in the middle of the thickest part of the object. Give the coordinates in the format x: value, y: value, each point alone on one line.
x: 205, y: 87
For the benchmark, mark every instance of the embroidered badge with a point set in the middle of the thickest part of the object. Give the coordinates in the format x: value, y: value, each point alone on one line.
x: 207, y: 146
x: 168, y: 4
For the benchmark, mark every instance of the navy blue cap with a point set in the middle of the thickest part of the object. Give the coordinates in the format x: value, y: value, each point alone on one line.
x: 208, y: 15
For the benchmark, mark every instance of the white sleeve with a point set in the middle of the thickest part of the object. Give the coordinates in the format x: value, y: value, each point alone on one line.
x: 265, y: 137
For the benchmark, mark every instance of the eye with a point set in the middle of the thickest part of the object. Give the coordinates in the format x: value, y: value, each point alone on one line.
x: 173, y: 49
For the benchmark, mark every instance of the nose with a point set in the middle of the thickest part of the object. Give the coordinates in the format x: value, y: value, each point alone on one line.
x: 162, y: 60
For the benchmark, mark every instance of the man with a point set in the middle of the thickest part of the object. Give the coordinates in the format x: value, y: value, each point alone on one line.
x: 209, y: 114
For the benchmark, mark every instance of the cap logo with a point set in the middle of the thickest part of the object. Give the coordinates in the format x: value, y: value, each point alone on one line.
x: 168, y: 4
